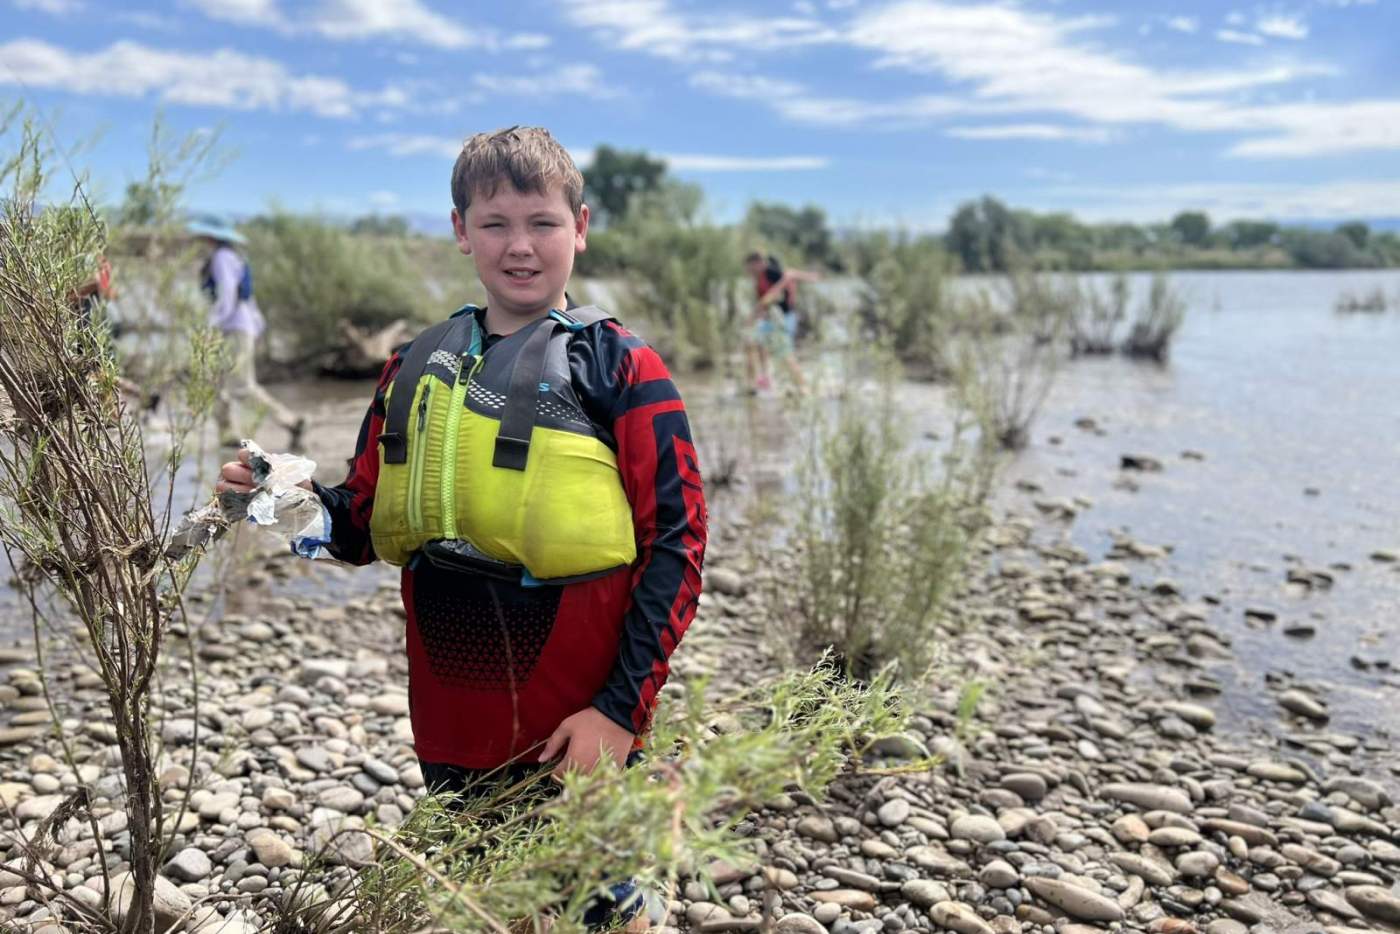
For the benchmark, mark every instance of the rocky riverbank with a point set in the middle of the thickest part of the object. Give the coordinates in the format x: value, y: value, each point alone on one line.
x: 1093, y: 789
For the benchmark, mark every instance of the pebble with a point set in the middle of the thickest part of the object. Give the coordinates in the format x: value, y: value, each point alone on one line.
x: 955, y: 916
x: 1075, y: 901
x: 893, y: 812
x: 1148, y: 797
x: 977, y: 828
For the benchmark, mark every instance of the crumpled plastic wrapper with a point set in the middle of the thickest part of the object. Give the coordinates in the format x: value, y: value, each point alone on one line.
x: 276, y: 504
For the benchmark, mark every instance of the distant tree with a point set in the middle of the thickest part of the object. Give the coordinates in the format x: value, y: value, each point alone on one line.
x: 1121, y: 236
x: 1246, y: 234
x: 1357, y: 232
x: 802, y: 233
x: 1320, y: 249
x: 382, y: 225
x: 616, y: 177
x: 986, y: 236
x: 1191, y: 227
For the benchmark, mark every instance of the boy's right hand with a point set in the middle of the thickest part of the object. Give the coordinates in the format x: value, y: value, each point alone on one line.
x: 236, y: 476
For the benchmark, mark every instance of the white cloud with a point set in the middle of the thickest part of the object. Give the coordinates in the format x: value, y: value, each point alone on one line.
x: 1316, y: 128
x: 582, y: 80
x: 383, y: 200
x: 246, y: 12
x: 1015, y: 60
x: 409, y: 144
x: 795, y: 102
x: 715, y: 163
x: 52, y: 7
x: 1041, y: 131
x: 1187, y: 24
x: 221, y: 78
x: 1236, y: 18
x: 653, y: 27
x: 1281, y: 26
x: 1239, y: 38
x: 345, y: 20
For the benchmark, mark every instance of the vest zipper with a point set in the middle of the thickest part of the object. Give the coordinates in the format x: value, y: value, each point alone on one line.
x: 417, y: 456
x: 465, y: 369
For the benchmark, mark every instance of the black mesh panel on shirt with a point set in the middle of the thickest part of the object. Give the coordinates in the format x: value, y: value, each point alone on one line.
x: 478, y: 632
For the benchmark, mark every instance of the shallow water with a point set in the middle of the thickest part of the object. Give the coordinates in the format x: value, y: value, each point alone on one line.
x: 1292, y: 408
x: 1281, y: 396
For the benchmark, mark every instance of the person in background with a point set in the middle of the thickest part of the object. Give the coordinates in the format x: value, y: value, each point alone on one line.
x: 228, y: 280
x: 775, y: 319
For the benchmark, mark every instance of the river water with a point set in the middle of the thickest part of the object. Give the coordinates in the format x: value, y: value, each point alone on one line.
x: 1289, y: 416
x: 1291, y: 409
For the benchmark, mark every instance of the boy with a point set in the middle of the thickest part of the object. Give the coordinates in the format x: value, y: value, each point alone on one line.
x: 521, y: 651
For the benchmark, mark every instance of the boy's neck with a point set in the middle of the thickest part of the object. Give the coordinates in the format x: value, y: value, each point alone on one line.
x: 506, y: 323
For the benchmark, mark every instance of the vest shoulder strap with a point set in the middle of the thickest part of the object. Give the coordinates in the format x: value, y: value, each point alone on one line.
x: 580, y: 316
x: 522, y: 398
x: 451, y: 335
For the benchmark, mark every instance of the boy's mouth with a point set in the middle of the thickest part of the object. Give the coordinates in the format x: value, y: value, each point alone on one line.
x: 521, y: 275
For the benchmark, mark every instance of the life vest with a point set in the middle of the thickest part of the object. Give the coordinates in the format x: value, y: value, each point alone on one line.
x: 489, y: 455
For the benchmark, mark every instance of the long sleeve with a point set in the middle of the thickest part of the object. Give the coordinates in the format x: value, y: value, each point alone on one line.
x: 627, y: 390
x: 351, y: 502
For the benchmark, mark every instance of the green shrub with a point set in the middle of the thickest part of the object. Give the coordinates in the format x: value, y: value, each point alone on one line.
x: 904, y: 305
x: 1157, y: 321
x: 1007, y: 351
x: 521, y: 854
x: 310, y: 275
x: 881, y: 533
x: 1096, y: 319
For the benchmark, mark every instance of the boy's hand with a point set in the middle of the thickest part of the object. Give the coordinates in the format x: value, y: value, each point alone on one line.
x: 584, y: 738
x: 238, y: 476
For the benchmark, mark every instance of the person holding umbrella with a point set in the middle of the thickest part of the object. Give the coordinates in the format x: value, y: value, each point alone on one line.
x: 228, y: 280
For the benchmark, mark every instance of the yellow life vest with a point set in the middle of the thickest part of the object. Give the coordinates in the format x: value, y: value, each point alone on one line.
x: 488, y: 461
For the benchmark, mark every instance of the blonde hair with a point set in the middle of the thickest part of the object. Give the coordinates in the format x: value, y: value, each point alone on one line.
x: 528, y: 157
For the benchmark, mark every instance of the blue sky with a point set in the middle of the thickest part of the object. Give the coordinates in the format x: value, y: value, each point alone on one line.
x: 882, y: 112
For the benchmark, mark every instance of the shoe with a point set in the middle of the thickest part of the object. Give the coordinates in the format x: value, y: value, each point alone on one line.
x: 295, y: 433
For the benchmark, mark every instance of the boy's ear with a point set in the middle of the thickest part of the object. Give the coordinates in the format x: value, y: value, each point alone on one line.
x: 581, y: 229
x: 459, y: 231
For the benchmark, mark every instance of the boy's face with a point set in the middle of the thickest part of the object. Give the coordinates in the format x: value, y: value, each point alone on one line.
x: 524, y: 245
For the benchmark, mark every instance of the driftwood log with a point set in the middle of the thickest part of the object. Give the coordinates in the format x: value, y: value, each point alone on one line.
x: 363, y: 352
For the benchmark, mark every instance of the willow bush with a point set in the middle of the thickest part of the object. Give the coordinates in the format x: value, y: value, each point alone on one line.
x: 904, y: 303
x: 511, y: 859
x: 881, y: 533
x: 83, y: 517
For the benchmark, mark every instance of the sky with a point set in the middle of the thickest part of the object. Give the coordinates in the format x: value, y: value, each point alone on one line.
x: 883, y: 112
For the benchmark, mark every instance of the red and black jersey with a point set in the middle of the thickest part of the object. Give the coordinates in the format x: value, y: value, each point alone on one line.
x: 494, y: 666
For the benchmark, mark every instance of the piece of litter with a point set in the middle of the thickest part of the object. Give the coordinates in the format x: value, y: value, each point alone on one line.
x: 276, y: 503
